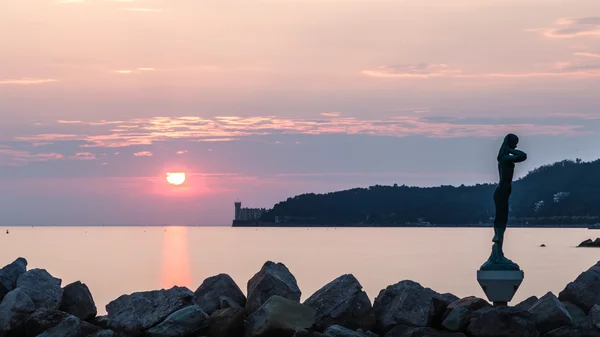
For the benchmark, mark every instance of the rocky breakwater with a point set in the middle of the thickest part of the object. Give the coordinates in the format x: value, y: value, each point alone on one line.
x: 34, y: 303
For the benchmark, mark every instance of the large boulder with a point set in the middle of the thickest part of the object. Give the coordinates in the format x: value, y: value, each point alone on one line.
x: 9, y: 275
x: 564, y: 332
x: 14, y: 310
x: 77, y: 300
x: 142, y: 310
x: 226, y: 303
x: 41, y: 320
x: 279, y: 317
x: 43, y: 288
x: 549, y: 313
x: 502, y: 322
x: 228, y: 322
x: 71, y: 327
x: 411, y: 331
x: 583, y: 292
x: 409, y: 303
x: 272, y: 279
x: 458, y: 313
x: 527, y: 303
x: 594, y: 317
x: 340, y: 331
x: 190, y: 321
x: 578, y: 317
x: 208, y: 295
x: 342, y: 302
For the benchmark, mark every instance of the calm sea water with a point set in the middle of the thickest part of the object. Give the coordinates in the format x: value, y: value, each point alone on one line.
x: 118, y: 260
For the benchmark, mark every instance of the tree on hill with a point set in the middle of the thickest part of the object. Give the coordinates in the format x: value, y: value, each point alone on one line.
x: 563, y: 189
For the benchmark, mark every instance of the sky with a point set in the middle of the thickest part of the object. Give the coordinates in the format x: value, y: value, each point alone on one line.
x: 261, y: 100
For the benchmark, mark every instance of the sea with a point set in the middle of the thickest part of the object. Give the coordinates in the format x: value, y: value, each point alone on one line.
x: 115, y: 260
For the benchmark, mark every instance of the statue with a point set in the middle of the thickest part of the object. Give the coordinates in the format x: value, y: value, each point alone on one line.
x: 507, y: 157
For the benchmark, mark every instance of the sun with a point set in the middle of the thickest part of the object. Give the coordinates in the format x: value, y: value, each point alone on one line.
x: 175, y: 178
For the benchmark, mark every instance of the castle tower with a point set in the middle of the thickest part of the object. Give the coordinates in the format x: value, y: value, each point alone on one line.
x: 238, y: 209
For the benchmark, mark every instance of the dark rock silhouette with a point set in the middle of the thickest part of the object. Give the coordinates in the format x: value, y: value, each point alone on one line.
x: 77, y: 301
x: 208, y: 295
x: 43, y: 288
x: 342, y: 302
x: 272, y: 279
x: 583, y: 292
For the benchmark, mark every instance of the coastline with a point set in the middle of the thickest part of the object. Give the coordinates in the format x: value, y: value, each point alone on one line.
x: 35, y: 303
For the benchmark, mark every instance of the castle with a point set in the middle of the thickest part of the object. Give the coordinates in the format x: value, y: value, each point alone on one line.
x: 246, y: 214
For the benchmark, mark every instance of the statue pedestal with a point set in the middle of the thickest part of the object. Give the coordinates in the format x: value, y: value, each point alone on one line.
x: 500, y: 285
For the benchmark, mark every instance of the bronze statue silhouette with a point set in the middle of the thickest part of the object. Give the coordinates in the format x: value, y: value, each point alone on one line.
x: 507, y: 157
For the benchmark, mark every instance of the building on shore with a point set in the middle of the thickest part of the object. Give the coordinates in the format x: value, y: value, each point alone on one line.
x: 246, y: 214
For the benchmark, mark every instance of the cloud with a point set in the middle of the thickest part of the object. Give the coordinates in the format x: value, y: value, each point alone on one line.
x: 422, y: 70
x: 145, y: 69
x: 84, y: 156
x: 146, y: 131
x: 331, y: 114
x: 181, y: 152
x: 12, y: 157
x: 426, y: 71
x: 142, y: 9
x: 593, y: 55
x: 123, y: 71
x: 143, y: 154
x: 71, y: 1
x: 27, y: 81
x: 572, y: 27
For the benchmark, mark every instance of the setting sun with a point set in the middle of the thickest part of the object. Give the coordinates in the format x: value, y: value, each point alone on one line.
x: 176, y: 178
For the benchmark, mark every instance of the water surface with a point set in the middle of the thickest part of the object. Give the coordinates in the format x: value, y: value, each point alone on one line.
x: 118, y: 260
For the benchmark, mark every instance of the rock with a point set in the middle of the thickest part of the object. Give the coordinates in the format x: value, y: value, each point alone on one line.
x: 502, y: 322
x: 527, y: 303
x: 14, y: 310
x: 457, y: 319
x: 228, y: 322
x: 565, y: 331
x: 342, y: 302
x: 280, y: 317
x: 578, y: 317
x: 71, y: 327
x: 41, y: 320
x: 408, y: 331
x: 340, y: 331
x: 594, y: 317
x: 77, y: 301
x: 583, y: 292
x: 458, y: 313
x: 590, y: 243
x: 272, y: 279
x: 207, y: 296
x: 143, y: 310
x: 409, y: 303
x: 189, y: 321
x: 43, y: 288
x: 226, y: 303
x: 101, y: 321
x: 549, y: 313
x: 367, y: 333
x: 106, y: 333
x: 5, y: 284
x: 9, y: 275
x: 542, y: 245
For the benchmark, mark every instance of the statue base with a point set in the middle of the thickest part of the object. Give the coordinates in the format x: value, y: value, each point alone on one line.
x: 500, y: 285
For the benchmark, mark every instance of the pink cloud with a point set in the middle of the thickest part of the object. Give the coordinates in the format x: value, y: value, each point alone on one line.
x: 11, y: 157
x: 27, y: 81
x: 422, y: 70
x: 593, y: 55
x: 84, y: 156
x: 181, y: 152
x: 331, y: 114
x: 143, y: 154
x: 568, y: 28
